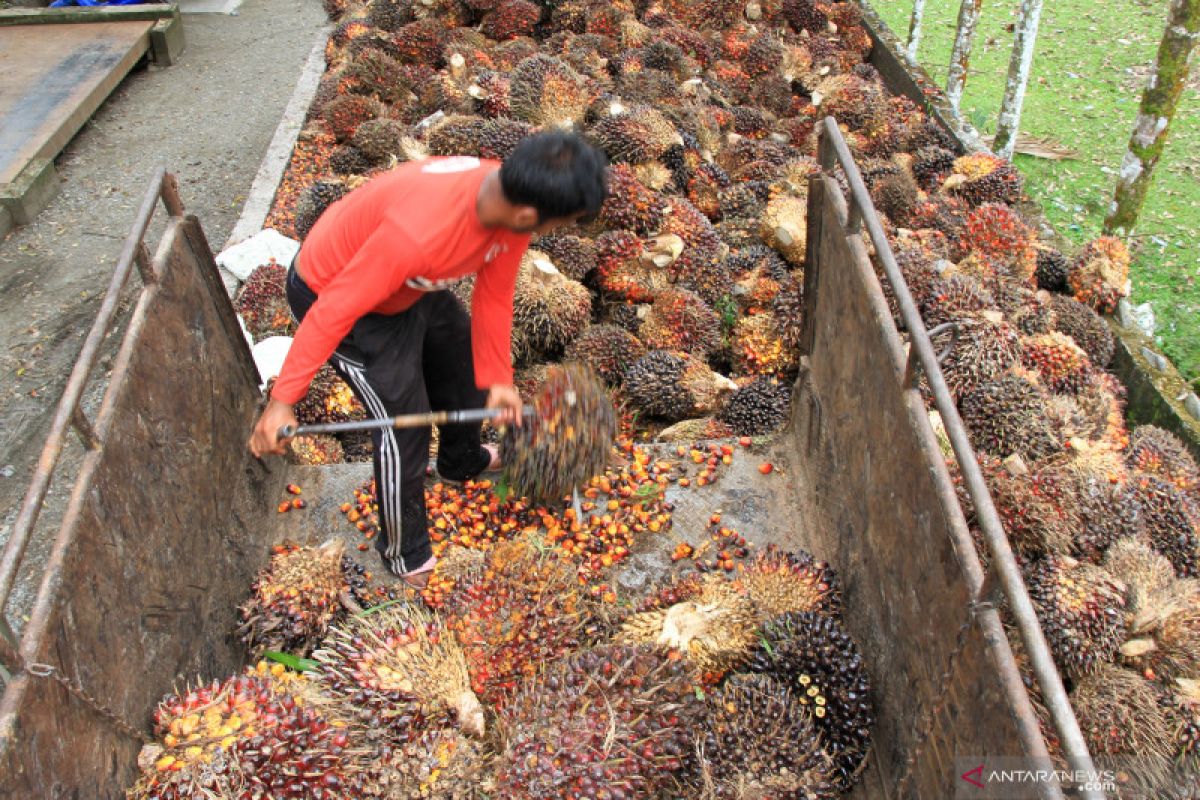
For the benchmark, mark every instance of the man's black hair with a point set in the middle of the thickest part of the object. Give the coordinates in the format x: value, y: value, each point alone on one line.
x: 560, y: 174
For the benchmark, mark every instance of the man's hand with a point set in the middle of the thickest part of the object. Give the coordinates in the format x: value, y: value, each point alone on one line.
x: 265, y: 439
x: 505, y: 396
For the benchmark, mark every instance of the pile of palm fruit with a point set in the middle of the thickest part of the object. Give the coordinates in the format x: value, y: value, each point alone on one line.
x: 686, y: 296
x: 525, y: 683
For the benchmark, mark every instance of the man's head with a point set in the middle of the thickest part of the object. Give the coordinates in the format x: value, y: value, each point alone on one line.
x: 551, y: 179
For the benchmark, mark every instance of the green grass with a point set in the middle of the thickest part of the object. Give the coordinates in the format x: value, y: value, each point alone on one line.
x: 1089, y: 70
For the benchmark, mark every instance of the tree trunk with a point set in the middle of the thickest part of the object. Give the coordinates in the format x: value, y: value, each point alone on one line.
x: 1159, y: 102
x: 1018, y: 78
x: 968, y: 19
x: 914, y: 29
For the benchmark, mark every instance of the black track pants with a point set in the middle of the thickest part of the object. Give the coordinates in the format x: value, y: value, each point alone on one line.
x: 408, y: 363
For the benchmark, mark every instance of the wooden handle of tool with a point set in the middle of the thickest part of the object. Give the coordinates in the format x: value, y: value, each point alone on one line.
x: 424, y: 420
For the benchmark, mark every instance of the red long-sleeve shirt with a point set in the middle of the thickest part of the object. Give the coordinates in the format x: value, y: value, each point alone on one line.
x: 412, y: 229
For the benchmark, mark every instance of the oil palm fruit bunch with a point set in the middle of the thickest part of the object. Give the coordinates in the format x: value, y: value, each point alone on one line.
x: 510, y: 19
x: 329, y: 399
x: 759, y: 349
x: 1039, y: 510
x: 396, y: 671
x: 522, y: 609
x: 997, y: 233
x: 758, y: 741
x: 636, y: 135
x: 788, y: 309
x: 1172, y: 522
x: 1081, y: 608
x: 1061, y: 365
x: 296, y: 597
x: 1185, y: 708
x: 1107, y: 509
x: 264, y: 733
x: 381, y: 140
x: 567, y: 440
x: 952, y: 297
x: 780, y: 582
x: 758, y: 408
x: 811, y: 654
x: 438, y: 763
x: 1165, y: 633
x: 1120, y: 713
x: 262, y: 302
x: 632, y: 270
x: 610, y: 722
x: 981, y: 351
x: 608, y: 349
x: 673, y: 386
x: 1083, y: 325
x: 679, y: 319
x: 547, y: 92
x: 714, y: 630
x: 1100, y: 273
x: 1052, y: 270
x: 316, y: 449
x: 313, y: 201
x: 549, y: 309
x: 1007, y: 415
x: 630, y: 205
x: 575, y: 256
x: 984, y: 178
x: 1160, y: 452
x: 1147, y: 575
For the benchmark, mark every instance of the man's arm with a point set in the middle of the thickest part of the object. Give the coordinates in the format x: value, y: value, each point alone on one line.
x: 377, y: 271
x: 491, y: 332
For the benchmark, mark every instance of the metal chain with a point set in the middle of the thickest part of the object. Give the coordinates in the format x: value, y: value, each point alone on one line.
x: 76, y: 691
x: 960, y: 643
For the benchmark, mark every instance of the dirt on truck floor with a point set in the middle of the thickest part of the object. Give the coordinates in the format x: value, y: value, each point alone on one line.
x: 208, y: 119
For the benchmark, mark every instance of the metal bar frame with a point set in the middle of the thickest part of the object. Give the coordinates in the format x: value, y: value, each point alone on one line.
x: 832, y: 152
x: 69, y: 413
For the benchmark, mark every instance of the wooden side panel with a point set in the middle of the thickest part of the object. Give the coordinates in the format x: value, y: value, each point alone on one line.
x: 146, y: 573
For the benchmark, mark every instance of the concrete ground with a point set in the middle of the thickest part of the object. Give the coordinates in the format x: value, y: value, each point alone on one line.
x: 209, y: 119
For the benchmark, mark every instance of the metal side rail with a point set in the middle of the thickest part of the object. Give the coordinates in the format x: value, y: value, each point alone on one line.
x: 833, y: 152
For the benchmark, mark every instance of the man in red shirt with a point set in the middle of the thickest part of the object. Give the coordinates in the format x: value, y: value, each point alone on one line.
x: 369, y: 289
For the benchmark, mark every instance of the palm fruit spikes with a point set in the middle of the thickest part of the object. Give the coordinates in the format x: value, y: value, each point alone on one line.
x: 714, y: 630
x: 759, y: 742
x: 509, y: 19
x: 630, y: 205
x: 757, y: 409
x: 611, y: 722
x: 1083, y: 325
x: 522, y: 609
x: 1061, y: 365
x: 1081, y: 608
x: 1160, y: 452
x: 984, y: 178
x: 1121, y: 713
x: 545, y: 91
x: 608, y: 349
x: 262, y: 302
x: 397, y: 670
x: 1165, y: 641
x: 1172, y: 522
x: 982, y: 351
x: 1145, y: 573
x: 811, y: 654
x: 261, y: 734
x: 635, y: 135
x: 674, y: 386
x: 1010, y: 415
x: 1100, y: 274
x: 567, y: 440
x: 549, y: 309
x: 781, y: 582
x: 679, y: 319
x: 759, y: 349
x: 313, y: 201
x: 295, y: 598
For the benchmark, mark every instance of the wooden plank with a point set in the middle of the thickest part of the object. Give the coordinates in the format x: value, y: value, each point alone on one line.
x: 77, y: 14
x: 53, y: 78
